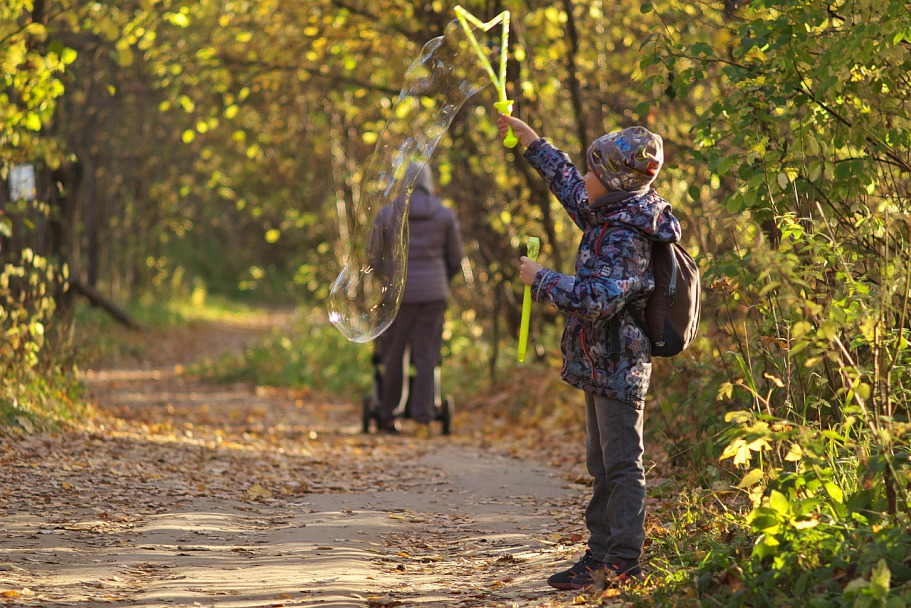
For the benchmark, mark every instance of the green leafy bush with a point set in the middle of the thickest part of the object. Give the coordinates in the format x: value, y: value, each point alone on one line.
x: 37, y: 388
x: 806, y: 144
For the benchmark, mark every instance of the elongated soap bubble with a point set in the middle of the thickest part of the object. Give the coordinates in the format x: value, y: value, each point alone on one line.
x: 366, y: 296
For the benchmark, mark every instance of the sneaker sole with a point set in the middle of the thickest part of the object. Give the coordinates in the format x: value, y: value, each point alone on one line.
x: 568, y: 586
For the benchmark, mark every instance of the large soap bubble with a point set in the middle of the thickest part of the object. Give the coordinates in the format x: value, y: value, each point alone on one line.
x: 366, y: 296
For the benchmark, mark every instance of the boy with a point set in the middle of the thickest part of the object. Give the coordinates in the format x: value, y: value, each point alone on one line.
x: 605, y: 354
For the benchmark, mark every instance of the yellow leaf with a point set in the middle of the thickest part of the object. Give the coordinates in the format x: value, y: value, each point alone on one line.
x: 738, y: 450
x: 751, y: 478
x: 805, y: 524
x: 726, y: 391
x: 258, y: 491
x: 795, y: 453
x: 25, y: 423
x: 774, y: 379
x: 758, y: 445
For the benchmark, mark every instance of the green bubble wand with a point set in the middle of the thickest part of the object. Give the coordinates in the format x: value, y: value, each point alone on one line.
x: 503, y: 105
x: 534, y: 247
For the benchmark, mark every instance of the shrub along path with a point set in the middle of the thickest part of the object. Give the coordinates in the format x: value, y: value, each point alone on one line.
x: 184, y: 492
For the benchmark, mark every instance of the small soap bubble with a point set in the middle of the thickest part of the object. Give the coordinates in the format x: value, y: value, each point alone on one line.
x: 365, y: 298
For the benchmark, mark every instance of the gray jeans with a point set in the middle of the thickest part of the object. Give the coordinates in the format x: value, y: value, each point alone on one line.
x: 613, y: 446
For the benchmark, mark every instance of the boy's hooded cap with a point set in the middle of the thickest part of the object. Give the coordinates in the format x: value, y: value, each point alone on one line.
x: 627, y: 160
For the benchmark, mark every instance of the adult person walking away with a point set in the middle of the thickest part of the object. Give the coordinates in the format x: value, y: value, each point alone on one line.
x: 435, y: 254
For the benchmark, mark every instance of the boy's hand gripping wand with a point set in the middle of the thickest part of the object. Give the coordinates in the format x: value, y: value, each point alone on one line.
x: 534, y: 247
x: 503, y: 105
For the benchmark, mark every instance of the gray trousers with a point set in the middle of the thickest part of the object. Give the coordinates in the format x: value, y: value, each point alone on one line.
x: 419, y: 326
x: 614, y: 445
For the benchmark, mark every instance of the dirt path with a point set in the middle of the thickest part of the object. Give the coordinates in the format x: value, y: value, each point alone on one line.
x: 189, y: 493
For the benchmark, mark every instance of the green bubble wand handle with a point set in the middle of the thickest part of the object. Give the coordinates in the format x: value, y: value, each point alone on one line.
x: 503, y: 105
x: 534, y: 247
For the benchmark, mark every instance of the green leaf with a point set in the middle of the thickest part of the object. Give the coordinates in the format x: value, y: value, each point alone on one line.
x: 835, y: 493
x: 33, y: 121
x: 779, y: 502
x: 178, y: 19
x: 68, y: 56
x: 880, y: 579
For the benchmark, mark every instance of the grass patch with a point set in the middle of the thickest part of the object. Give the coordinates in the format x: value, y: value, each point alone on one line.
x: 315, y: 355
x: 98, y: 336
x: 31, y: 402
x: 149, y: 312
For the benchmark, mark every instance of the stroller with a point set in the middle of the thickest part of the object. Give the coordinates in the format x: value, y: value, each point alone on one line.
x: 443, y: 407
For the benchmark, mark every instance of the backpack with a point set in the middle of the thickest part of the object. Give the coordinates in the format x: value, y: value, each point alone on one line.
x: 670, y: 317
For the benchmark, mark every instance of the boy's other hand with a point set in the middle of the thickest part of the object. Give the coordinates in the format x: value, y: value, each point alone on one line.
x: 528, y: 270
x: 520, y: 129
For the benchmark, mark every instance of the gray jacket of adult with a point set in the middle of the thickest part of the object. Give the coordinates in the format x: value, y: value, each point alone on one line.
x: 435, y: 248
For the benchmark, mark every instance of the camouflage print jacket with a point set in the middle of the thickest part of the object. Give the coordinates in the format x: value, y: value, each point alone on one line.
x: 612, y: 273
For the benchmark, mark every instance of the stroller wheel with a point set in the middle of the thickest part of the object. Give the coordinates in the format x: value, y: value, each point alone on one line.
x: 446, y: 411
x: 367, y: 413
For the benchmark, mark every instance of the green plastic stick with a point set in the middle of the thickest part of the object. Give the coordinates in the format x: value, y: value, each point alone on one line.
x: 502, y: 104
x: 505, y: 107
x: 534, y: 247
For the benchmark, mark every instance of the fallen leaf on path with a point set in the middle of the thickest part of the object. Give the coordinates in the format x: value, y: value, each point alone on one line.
x: 382, y: 603
x: 257, y: 491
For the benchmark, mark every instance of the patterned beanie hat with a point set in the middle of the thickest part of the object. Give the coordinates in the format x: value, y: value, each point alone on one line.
x: 627, y: 160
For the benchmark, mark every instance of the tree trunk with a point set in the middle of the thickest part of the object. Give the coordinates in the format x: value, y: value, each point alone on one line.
x: 97, y: 299
x: 575, y: 89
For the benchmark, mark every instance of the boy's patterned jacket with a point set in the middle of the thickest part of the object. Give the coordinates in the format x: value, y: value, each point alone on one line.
x: 612, y: 272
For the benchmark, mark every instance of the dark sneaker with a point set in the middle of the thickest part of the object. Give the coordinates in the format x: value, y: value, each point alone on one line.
x: 566, y: 580
x: 615, y: 575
